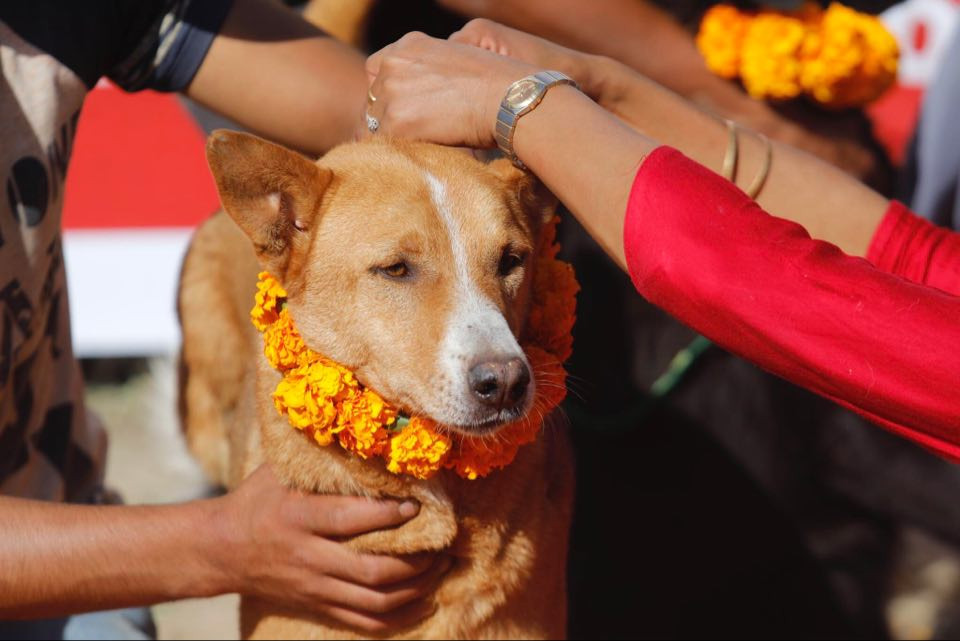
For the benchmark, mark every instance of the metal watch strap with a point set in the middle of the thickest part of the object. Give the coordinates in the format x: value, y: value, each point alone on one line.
x: 507, y: 117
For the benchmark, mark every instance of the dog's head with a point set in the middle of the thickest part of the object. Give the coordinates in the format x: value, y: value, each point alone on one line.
x: 406, y: 262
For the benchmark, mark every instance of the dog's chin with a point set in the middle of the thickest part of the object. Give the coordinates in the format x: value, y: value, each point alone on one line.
x: 490, y: 424
x: 483, y: 424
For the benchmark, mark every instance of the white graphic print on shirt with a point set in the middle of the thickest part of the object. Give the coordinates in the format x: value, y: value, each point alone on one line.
x: 48, y: 450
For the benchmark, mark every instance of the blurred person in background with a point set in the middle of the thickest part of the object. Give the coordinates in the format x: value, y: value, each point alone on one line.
x: 932, y: 175
x: 262, y: 66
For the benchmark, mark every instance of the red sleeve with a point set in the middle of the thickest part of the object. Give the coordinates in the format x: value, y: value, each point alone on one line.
x: 759, y: 286
x: 916, y: 249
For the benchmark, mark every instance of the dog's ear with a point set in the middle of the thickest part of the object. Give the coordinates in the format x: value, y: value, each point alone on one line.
x: 538, y: 201
x: 272, y: 193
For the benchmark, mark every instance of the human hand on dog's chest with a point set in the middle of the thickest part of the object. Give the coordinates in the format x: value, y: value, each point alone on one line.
x: 285, y: 546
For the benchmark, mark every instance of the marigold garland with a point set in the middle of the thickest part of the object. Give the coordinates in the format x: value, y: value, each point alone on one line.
x: 838, y: 56
x: 326, y: 402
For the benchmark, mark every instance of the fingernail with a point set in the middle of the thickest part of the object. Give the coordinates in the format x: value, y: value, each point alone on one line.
x: 409, y: 509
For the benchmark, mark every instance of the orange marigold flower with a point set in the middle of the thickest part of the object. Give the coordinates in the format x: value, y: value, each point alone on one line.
x: 418, y: 450
x: 553, y: 309
x: 551, y: 379
x: 282, y: 344
x: 477, y: 457
x: 266, y: 309
x: 852, y: 60
x: 365, y: 417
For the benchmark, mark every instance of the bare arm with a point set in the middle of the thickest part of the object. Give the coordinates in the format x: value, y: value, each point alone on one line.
x: 273, y: 72
x: 829, y: 203
x: 261, y: 540
x: 649, y: 40
x: 592, y: 171
x: 58, y: 559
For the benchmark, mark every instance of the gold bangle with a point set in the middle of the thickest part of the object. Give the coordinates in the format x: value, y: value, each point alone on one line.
x: 729, y: 167
x: 754, y: 189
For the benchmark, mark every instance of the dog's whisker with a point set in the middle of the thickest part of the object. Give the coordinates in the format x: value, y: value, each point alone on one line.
x: 578, y: 395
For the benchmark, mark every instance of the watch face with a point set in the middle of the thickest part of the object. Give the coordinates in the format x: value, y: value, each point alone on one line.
x: 522, y: 94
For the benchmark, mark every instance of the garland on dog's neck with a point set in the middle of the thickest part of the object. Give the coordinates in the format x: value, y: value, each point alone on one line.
x: 327, y: 402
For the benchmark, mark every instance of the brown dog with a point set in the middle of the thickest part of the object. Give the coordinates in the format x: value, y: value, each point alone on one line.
x: 409, y: 264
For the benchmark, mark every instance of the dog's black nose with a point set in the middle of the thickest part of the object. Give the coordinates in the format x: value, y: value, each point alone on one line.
x: 500, y: 384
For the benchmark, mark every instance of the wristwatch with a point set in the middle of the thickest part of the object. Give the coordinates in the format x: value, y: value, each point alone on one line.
x: 522, y: 97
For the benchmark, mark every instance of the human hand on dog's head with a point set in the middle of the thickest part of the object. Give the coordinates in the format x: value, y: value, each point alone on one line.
x: 440, y: 91
x: 585, y: 68
x: 285, y: 547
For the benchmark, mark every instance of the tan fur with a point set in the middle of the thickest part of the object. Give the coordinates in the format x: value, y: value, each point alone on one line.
x: 317, y: 228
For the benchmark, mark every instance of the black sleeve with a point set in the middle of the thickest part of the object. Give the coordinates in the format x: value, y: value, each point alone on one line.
x: 139, y: 44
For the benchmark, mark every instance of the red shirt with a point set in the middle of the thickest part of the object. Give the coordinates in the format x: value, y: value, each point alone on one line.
x: 881, y: 337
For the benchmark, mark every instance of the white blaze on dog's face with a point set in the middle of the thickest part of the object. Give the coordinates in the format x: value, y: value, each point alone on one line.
x: 408, y: 263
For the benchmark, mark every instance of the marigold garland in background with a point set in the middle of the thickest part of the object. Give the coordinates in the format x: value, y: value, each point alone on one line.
x: 839, y: 57
x: 325, y: 400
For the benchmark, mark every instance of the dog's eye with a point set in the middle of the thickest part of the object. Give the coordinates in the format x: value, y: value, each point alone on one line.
x: 510, y: 262
x: 396, y: 270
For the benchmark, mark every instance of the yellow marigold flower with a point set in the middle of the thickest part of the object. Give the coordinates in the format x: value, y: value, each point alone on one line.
x: 770, y: 59
x: 839, y: 57
x: 308, y: 395
x: 418, y: 450
x: 720, y: 39
x: 266, y: 308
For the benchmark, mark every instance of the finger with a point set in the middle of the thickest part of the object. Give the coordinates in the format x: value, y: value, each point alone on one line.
x: 385, y: 599
x: 376, y: 108
x: 366, y: 128
x: 374, y: 570
x: 381, y: 624
x: 463, y: 37
x: 344, y: 516
x: 413, y: 39
x: 374, y: 60
x: 376, y: 90
x: 471, y: 32
x: 409, y: 41
x: 479, y: 37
